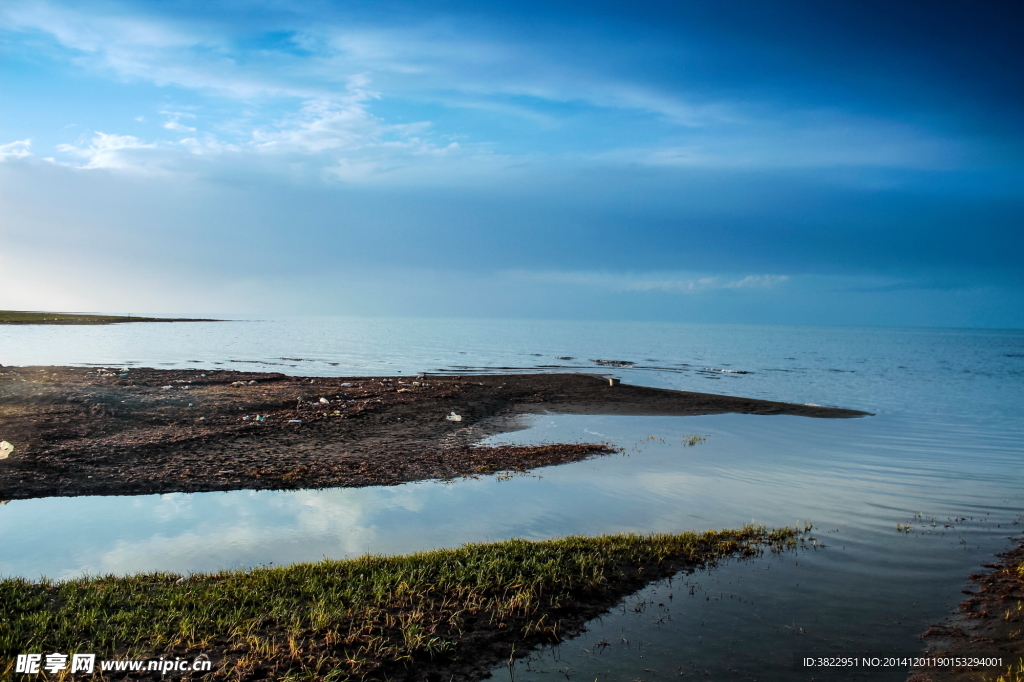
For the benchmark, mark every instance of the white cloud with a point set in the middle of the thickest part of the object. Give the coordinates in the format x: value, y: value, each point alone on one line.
x: 672, y: 286
x: 337, y: 138
x: 807, y: 140
x: 435, y: 58
x: 155, y: 50
x: 111, y: 151
x: 661, y: 282
x: 174, y: 123
x: 15, y: 150
x: 178, y: 127
x: 328, y: 141
x: 757, y: 282
x: 209, y: 145
x: 320, y: 126
x: 349, y: 139
x: 177, y: 114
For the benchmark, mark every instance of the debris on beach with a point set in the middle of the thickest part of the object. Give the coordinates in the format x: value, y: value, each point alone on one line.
x: 5, y: 449
x: 69, y: 423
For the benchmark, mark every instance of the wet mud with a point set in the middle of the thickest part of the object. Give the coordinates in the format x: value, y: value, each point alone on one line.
x: 110, y: 431
x: 989, y: 623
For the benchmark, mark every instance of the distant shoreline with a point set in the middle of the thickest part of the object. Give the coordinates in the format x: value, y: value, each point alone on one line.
x: 37, y: 317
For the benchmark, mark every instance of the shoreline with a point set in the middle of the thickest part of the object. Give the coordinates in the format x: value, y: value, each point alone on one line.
x: 988, y: 623
x: 35, y: 317
x: 449, y: 614
x: 84, y: 431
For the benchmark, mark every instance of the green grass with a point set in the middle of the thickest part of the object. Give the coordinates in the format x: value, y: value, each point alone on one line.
x: 27, y: 317
x: 368, y: 618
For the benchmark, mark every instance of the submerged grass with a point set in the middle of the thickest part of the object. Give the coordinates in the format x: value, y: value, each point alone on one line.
x: 453, y: 612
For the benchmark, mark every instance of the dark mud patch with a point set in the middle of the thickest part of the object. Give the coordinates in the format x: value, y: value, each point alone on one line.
x: 88, y: 431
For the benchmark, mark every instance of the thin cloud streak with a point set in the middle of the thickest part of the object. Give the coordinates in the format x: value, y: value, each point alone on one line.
x: 648, y: 282
x: 160, y: 52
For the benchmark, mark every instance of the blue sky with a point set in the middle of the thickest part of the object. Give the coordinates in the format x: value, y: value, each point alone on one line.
x: 764, y: 162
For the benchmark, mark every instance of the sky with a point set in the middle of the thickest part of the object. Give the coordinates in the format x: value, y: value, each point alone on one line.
x: 745, y: 162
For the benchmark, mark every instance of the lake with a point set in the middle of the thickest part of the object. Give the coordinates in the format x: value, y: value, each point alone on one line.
x: 940, y: 458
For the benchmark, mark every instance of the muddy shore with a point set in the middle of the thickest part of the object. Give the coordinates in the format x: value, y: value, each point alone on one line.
x: 86, y: 431
x: 987, y: 624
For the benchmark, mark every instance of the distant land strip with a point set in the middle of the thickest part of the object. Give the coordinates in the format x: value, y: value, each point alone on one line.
x: 35, y: 317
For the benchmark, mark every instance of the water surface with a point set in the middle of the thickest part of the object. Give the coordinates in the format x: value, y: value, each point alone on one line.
x: 942, y: 455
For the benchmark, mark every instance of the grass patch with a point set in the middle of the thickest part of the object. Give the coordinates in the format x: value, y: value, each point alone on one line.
x: 29, y: 317
x: 1014, y: 672
x: 445, y: 614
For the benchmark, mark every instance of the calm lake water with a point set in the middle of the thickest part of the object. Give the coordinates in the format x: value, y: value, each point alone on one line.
x: 943, y: 454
